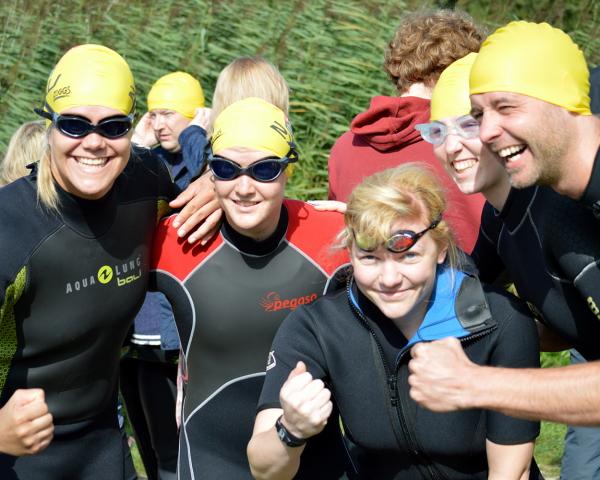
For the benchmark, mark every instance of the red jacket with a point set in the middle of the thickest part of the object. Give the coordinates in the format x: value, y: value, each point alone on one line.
x: 384, y: 137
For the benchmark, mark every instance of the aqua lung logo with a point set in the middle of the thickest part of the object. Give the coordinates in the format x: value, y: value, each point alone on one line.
x: 122, y: 274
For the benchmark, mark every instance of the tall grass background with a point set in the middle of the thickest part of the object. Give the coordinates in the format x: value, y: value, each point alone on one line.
x: 330, y: 51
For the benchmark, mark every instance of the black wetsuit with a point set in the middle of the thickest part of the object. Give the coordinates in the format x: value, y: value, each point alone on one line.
x: 229, y: 298
x: 591, y: 195
x: 549, y: 245
x: 363, y: 358
x: 70, y: 286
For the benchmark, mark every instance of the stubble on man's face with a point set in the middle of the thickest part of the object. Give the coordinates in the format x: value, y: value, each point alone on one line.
x: 547, y: 135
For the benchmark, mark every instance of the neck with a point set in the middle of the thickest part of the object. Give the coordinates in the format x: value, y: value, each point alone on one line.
x: 579, y: 161
x: 418, y: 90
x: 497, y: 194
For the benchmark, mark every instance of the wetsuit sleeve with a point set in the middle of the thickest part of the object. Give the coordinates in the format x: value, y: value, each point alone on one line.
x: 485, y: 253
x: 575, y: 247
x: 193, y: 143
x: 516, y: 346
x: 296, y: 340
x: 166, y: 188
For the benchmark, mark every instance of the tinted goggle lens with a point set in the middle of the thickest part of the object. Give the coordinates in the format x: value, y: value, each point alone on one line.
x: 263, y: 170
x: 401, y: 241
x: 78, y: 127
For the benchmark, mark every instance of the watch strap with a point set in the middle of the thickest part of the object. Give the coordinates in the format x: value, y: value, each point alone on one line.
x: 286, y: 437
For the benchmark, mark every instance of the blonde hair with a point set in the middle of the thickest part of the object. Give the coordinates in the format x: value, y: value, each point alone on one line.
x: 46, y: 190
x: 411, y: 190
x: 249, y: 77
x: 26, y: 146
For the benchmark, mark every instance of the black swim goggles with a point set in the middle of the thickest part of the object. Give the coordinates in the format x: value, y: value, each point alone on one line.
x: 75, y: 126
x: 401, y: 240
x: 265, y: 170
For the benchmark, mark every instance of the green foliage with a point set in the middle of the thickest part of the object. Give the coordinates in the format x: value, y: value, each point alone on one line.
x: 330, y: 51
x: 549, y: 448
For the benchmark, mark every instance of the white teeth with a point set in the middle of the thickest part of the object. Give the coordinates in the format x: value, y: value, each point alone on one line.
x: 508, y: 151
x: 462, y: 165
x: 245, y: 204
x: 93, y: 162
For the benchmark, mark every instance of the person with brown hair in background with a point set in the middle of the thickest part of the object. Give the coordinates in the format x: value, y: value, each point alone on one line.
x: 26, y: 146
x: 384, y: 136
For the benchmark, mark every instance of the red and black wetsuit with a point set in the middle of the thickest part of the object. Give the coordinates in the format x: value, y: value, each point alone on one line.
x: 229, y: 298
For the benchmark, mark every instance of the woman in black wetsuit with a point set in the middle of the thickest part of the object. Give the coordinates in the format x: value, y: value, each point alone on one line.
x: 74, y: 256
x: 352, y: 349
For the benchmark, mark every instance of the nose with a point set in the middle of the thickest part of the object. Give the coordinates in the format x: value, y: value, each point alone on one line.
x: 93, y: 141
x: 390, y: 275
x: 157, y: 122
x: 489, y: 128
x: 453, y: 144
x: 244, y: 185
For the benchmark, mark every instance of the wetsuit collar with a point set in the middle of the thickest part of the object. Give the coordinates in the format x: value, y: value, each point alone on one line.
x: 440, y: 319
x: 250, y: 246
x: 90, y: 218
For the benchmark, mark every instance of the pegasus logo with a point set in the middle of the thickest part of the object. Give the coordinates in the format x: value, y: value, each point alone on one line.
x: 273, y: 303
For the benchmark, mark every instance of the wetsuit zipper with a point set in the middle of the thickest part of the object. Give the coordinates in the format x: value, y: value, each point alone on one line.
x: 392, y: 378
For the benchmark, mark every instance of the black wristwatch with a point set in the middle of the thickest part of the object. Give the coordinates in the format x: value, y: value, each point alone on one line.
x: 286, y: 437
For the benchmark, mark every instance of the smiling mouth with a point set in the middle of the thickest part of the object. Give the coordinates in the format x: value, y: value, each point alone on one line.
x: 92, y: 162
x: 462, y: 165
x: 511, y: 153
x: 245, y: 203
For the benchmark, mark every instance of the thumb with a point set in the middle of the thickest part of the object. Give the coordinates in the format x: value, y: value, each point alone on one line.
x: 30, y: 395
x: 298, y: 370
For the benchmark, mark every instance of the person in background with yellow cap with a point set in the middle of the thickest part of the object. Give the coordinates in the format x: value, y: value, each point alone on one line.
x: 230, y: 295
x: 73, y: 274
x: 149, y: 369
x: 534, y: 114
x: 177, y: 120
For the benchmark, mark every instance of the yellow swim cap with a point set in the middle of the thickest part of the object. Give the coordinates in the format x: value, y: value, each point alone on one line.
x: 91, y: 75
x: 533, y: 59
x: 450, y: 96
x: 177, y: 91
x: 253, y: 123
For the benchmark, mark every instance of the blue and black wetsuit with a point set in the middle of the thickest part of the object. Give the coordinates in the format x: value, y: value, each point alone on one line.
x: 71, y: 283
x: 362, y: 357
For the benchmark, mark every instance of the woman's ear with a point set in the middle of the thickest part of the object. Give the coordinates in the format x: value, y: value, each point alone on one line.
x: 442, y: 254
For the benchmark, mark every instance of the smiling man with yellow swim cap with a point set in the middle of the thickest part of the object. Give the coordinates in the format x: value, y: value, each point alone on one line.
x: 530, y: 91
x: 229, y: 296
